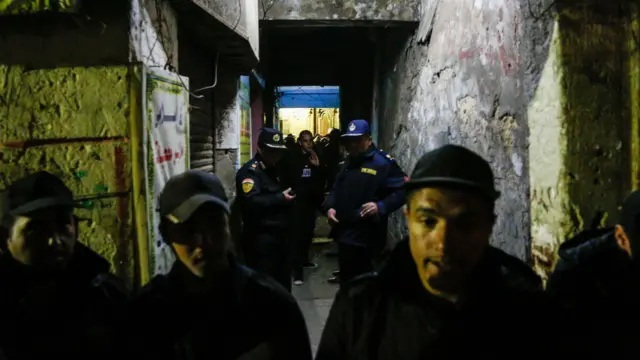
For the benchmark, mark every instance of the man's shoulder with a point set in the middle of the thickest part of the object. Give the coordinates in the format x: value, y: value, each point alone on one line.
x: 262, y: 289
x: 515, y: 273
x: 362, y: 289
x: 112, y: 286
x: 586, y: 250
x: 249, y: 168
x: 384, y: 157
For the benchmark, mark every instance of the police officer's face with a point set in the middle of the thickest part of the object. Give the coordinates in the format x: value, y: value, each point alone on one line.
x: 272, y: 156
x: 357, y: 145
x: 44, y: 238
x: 448, y: 233
x: 202, y: 242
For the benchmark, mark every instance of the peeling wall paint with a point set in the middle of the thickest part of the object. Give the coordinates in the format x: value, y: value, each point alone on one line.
x: 465, y: 86
x: 66, y: 105
x: 154, y: 33
x: 385, y: 10
x: 548, y: 100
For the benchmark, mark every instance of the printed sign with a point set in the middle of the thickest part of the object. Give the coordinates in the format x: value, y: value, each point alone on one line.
x: 167, y: 151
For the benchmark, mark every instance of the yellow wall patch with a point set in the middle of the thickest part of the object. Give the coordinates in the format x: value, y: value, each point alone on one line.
x: 247, y: 185
x: 368, y: 171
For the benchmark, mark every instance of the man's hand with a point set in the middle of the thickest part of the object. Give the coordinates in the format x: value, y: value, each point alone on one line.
x: 314, y: 159
x: 331, y: 214
x: 287, y: 195
x: 369, y: 209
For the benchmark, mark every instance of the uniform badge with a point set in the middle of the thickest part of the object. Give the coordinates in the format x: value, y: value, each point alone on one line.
x: 247, y: 185
x: 352, y: 127
x: 306, y: 172
x: 276, y: 137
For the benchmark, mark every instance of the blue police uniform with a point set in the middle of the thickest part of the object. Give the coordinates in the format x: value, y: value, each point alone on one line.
x: 371, y: 177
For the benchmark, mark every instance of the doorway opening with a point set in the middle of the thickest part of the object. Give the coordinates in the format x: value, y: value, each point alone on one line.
x: 313, y: 108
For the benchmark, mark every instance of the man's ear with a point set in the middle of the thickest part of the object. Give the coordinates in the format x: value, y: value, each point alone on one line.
x: 622, y: 239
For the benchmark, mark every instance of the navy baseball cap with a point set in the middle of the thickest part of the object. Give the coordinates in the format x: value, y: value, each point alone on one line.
x: 455, y: 166
x: 357, y: 128
x: 183, y: 194
x: 271, y: 138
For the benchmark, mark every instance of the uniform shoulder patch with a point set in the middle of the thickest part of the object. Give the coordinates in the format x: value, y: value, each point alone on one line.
x: 386, y: 155
x: 247, y: 185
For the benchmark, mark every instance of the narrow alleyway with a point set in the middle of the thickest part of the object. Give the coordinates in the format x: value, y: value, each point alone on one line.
x: 315, y: 296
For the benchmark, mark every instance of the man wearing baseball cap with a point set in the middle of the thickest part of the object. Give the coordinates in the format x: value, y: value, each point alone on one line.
x: 213, y: 307
x: 366, y: 191
x: 445, y: 293
x: 266, y: 207
x: 597, y: 281
x: 56, y: 295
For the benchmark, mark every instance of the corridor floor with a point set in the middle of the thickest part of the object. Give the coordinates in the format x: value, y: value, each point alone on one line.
x: 315, y: 296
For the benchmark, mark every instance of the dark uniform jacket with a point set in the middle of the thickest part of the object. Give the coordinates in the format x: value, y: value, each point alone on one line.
x: 306, y: 179
x: 596, y: 286
x: 374, y: 177
x: 390, y: 316
x: 260, y: 199
x: 175, y: 317
x: 78, y: 317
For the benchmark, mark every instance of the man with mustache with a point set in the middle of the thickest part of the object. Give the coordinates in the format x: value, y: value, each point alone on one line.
x: 445, y: 293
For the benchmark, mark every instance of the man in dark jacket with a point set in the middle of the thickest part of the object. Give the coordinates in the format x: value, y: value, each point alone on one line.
x: 208, y: 306
x: 445, y: 293
x: 308, y: 184
x: 57, y: 298
x: 597, y: 282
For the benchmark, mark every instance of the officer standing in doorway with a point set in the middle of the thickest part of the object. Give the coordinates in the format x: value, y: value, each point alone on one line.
x: 368, y: 188
x: 266, y: 210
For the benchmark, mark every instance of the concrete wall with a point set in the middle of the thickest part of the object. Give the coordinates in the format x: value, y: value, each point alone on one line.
x: 467, y: 84
x: 227, y: 120
x: 546, y: 102
x: 385, y: 10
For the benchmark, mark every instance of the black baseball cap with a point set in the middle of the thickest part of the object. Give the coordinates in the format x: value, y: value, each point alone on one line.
x: 34, y: 192
x: 630, y: 215
x: 183, y: 194
x: 456, y: 166
x: 271, y: 138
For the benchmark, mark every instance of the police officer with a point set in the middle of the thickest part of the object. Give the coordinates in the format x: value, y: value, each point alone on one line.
x: 367, y: 189
x: 266, y: 209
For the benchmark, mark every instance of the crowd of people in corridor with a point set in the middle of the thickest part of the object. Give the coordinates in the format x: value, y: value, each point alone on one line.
x: 442, y: 293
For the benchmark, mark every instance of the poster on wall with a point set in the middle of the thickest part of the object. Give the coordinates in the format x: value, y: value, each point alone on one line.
x: 167, y: 105
x: 245, y: 120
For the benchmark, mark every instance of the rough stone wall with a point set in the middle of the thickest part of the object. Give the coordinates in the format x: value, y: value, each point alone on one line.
x: 468, y: 84
x: 546, y: 98
x: 580, y: 153
x: 62, y: 112
x: 386, y: 10
x: 227, y: 118
x: 154, y: 33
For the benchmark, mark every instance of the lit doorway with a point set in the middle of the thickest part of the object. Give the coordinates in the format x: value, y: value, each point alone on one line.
x: 313, y: 108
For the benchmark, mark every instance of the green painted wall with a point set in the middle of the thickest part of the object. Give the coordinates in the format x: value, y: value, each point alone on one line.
x: 75, y: 122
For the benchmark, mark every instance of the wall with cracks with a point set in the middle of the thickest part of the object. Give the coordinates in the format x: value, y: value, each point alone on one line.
x: 465, y: 78
x: 548, y: 98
